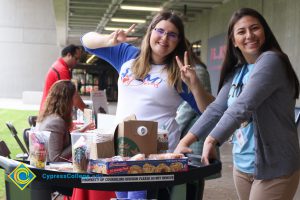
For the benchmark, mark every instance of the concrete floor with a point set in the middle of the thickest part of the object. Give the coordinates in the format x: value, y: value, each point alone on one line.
x: 223, y: 188
x: 216, y: 189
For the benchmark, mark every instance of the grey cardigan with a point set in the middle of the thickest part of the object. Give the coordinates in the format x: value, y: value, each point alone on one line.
x: 59, y: 144
x: 268, y: 97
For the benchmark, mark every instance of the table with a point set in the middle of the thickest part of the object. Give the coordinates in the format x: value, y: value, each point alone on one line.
x: 40, y: 188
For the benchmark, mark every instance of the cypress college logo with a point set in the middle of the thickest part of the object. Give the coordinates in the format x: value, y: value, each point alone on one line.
x: 22, y: 176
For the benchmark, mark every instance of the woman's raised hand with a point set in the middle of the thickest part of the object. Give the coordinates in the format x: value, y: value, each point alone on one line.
x: 120, y: 36
x: 188, y: 73
x: 94, y: 40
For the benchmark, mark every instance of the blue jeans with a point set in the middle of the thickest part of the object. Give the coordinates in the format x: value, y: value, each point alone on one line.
x: 141, y: 194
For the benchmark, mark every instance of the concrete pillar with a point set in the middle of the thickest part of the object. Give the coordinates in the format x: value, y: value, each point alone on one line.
x: 28, y: 45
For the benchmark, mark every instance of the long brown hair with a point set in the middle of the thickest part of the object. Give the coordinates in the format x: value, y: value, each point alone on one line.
x: 234, y: 57
x: 60, y: 102
x: 142, y: 64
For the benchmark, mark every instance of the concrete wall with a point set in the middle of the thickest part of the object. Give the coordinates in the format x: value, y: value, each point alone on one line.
x: 283, y: 17
x: 28, y: 45
x: 28, y: 40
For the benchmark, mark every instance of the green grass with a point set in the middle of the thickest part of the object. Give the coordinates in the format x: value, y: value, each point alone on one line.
x: 19, y: 120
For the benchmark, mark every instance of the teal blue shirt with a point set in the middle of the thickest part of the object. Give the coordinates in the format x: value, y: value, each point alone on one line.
x: 268, y: 99
x: 243, y: 138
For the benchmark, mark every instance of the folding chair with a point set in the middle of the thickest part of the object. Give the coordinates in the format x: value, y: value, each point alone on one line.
x: 4, y: 151
x: 32, y: 123
x: 32, y: 120
x: 14, y: 133
x: 26, y: 137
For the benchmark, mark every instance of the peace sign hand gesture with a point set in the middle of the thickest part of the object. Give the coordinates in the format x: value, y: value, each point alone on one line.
x: 187, y: 72
x: 120, y: 36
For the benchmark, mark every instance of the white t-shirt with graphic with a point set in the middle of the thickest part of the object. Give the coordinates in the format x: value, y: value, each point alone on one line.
x: 149, y: 99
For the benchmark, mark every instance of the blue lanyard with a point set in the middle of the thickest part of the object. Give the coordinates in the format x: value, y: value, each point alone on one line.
x: 237, y: 82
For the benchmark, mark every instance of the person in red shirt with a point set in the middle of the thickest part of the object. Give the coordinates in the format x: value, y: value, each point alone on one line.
x: 61, y: 70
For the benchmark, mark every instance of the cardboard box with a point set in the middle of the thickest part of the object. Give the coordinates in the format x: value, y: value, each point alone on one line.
x: 131, y: 136
x: 136, y: 136
x: 106, y: 166
x: 102, y: 146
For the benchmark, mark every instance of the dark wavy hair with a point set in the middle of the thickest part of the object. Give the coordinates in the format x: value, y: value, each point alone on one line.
x: 234, y: 57
x: 60, y: 102
x: 69, y: 49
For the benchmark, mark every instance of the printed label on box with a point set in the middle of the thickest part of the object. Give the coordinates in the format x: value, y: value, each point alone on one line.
x: 118, y: 179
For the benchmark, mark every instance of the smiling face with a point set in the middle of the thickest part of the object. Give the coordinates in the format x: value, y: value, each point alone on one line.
x: 162, y: 41
x: 249, y: 37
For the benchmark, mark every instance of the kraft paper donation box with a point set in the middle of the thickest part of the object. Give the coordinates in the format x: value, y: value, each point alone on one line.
x: 135, y: 136
x: 102, y: 145
x: 131, y: 136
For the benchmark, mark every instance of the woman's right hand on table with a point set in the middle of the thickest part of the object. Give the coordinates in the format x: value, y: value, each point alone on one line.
x: 86, y: 127
x: 183, y: 149
x: 185, y: 142
x: 209, y: 150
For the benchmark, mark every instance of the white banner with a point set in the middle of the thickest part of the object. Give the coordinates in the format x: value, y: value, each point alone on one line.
x: 120, y: 179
